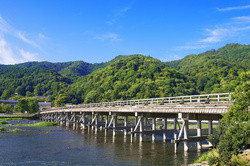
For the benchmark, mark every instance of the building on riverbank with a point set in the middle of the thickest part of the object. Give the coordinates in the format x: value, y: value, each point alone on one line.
x: 13, y: 103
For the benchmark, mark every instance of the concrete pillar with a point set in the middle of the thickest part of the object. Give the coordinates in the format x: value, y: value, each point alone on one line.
x: 107, y: 121
x: 96, y: 123
x: 131, y: 134
x: 153, y: 128
x: 141, y: 128
x: 210, y: 129
x: 67, y: 119
x: 125, y: 125
x: 199, y: 133
x: 175, y: 135
x: 114, y: 124
x: 219, y: 125
x: 83, y: 121
x: 186, y: 143
x: 165, y: 124
x: 146, y: 123
x: 136, y: 120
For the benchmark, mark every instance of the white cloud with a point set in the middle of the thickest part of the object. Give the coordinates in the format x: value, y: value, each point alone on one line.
x: 6, y: 53
x: 27, y: 56
x: 25, y: 39
x: 191, y: 47
x: 42, y: 36
x: 233, y: 8
x: 113, y: 37
x: 221, y: 33
x: 6, y: 28
x: 118, y: 14
x: 215, y: 35
x: 242, y: 19
x: 170, y: 58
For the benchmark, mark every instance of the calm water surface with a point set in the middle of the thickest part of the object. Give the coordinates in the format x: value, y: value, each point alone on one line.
x: 63, y: 146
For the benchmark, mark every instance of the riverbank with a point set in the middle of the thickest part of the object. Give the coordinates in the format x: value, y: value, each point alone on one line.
x: 18, y: 116
x: 211, y: 158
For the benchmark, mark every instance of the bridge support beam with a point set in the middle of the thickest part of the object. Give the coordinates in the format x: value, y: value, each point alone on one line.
x: 210, y: 130
x: 186, y: 143
x: 153, y: 128
x: 165, y: 124
x: 125, y: 125
x: 199, y: 133
x: 141, y: 127
x: 175, y: 135
x: 67, y: 119
x: 114, y: 116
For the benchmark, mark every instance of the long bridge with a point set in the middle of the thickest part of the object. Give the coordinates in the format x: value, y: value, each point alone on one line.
x: 146, y: 114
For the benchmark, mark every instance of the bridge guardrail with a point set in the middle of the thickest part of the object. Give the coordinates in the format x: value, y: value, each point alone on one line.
x: 204, y: 98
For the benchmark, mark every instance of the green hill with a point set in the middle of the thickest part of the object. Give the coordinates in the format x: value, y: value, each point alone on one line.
x: 129, y: 77
x: 216, y: 70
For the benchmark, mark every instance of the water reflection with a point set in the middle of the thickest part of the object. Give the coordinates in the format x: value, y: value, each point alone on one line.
x: 65, y: 146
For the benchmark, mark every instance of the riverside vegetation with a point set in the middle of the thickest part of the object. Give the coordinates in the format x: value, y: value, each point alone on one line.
x: 235, y: 130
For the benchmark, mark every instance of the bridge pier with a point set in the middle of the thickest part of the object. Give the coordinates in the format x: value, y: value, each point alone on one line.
x: 186, y: 143
x: 114, y: 116
x: 165, y: 126
x: 67, y: 119
x: 199, y: 133
x: 141, y: 127
x: 175, y: 135
x: 153, y: 128
x: 210, y: 130
x: 125, y: 125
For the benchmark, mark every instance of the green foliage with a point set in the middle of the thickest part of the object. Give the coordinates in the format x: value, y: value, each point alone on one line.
x: 216, y: 70
x: 3, y: 129
x: 4, y: 122
x: 5, y: 108
x: 40, y: 124
x: 130, y: 77
x: 126, y: 77
x: 236, y: 122
x: 27, y: 104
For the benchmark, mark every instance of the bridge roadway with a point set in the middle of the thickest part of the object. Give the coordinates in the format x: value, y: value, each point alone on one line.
x: 146, y: 114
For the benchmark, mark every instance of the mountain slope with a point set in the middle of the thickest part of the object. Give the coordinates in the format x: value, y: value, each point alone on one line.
x: 134, y: 76
x: 216, y: 70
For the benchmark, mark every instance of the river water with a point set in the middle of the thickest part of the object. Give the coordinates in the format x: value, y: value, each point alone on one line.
x: 57, y: 145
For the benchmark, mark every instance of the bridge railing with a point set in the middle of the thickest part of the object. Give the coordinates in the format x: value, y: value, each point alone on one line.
x: 191, y: 99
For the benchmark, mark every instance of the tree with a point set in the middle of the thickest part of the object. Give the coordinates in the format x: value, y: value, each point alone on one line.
x: 27, y: 104
x: 6, y: 108
x: 236, y: 122
x: 91, y: 97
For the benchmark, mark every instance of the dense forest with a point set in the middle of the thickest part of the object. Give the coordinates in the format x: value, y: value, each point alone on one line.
x: 216, y: 70
x: 127, y: 77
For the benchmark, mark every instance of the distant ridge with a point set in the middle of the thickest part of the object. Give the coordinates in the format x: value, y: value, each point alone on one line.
x: 127, y: 77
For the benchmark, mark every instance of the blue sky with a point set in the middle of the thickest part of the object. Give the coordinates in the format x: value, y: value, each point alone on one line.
x: 99, y: 30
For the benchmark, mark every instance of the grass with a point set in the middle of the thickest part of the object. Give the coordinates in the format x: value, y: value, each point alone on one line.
x: 4, y: 130
x: 4, y: 122
x: 40, y: 124
x: 23, y: 116
x: 11, y: 118
x: 213, y: 159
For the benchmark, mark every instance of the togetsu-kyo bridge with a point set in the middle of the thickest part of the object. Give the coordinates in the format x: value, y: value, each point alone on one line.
x: 140, y: 117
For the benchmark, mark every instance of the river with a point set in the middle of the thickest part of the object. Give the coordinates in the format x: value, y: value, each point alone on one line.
x: 57, y: 145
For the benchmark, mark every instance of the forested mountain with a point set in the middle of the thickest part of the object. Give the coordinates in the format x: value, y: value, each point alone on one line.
x: 66, y: 69
x: 216, y: 70
x: 127, y: 77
